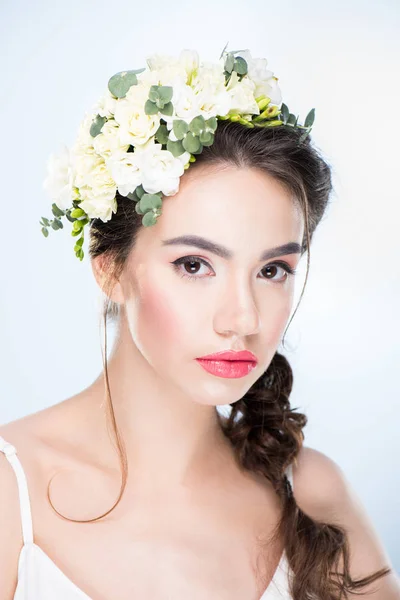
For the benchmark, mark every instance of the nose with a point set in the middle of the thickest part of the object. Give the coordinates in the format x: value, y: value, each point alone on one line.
x: 238, y: 312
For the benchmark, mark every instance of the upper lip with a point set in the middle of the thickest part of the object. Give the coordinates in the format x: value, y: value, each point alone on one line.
x: 231, y: 355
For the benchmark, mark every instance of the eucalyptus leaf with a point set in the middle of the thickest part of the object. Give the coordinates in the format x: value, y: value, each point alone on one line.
x: 120, y: 83
x: 191, y: 143
x: 97, y: 125
x: 176, y: 148
x: 285, y: 112
x: 161, y: 134
x: 212, y: 123
x: 138, y: 209
x: 45, y: 231
x: 206, y: 137
x: 180, y: 128
x: 165, y: 93
x: 291, y: 119
x: 139, y: 191
x: 310, y: 118
x: 197, y: 124
x: 240, y: 66
x: 229, y: 62
x: 46, y: 222
x: 132, y: 196
x: 150, y: 108
x: 150, y: 201
x: 149, y: 219
x: 168, y: 109
x: 57, y: 212
x: 153, y: 93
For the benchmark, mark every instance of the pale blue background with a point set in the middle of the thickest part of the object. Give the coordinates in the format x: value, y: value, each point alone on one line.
x: 340, y: 57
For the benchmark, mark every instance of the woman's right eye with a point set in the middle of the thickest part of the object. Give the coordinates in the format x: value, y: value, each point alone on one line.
x: 193, y: 263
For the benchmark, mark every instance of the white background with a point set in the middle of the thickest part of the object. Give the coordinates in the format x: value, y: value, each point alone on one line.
x: 341, y: 58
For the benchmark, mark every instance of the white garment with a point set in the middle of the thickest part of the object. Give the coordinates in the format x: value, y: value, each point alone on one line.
x: 39, y: 578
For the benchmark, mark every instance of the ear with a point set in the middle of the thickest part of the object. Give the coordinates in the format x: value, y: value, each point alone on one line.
x: 101, y: 269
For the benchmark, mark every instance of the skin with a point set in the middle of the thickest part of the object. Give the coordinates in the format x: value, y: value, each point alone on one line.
x: 189, y: 514
x: 185, y: 497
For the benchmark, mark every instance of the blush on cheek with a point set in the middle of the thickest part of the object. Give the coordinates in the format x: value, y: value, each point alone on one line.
x: 159, y: 323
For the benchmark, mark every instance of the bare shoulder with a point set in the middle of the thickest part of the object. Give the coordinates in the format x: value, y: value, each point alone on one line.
x: 323, y: 492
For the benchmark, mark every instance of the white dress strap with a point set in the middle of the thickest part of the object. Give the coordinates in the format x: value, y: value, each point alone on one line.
x: 25, y: 506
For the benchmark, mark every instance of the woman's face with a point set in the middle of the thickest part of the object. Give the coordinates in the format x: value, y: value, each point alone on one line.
x: 183, y: 301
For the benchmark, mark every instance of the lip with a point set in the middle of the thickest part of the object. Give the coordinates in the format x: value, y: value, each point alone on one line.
x: 227, y: 368
x: 231, y: 355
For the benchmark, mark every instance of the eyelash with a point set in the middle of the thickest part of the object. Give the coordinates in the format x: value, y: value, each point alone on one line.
x: 184, y: 259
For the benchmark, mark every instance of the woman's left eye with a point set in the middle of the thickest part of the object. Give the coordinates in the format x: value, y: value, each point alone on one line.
x: 196, y: 260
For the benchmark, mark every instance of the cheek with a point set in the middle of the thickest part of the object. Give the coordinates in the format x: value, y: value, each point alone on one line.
x: 161, y: 320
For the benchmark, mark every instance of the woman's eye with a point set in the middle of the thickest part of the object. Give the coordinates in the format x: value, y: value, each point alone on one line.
x: 189, y: 267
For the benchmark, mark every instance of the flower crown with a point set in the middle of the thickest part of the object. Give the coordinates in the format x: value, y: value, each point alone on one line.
x: 147, y: 128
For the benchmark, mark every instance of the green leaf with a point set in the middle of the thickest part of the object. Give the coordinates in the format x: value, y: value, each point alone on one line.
x: 161, y: 134
x: 77, y: 212
x: 132, y: 196
x: 310, y: 118
x: 150, y: 201
x: 80, y: 254
x: 191, y: 143
x: 79, y: 242
x: 284, y: 112
x: 229, y: 62
x: 45, y: 231
x: 165, y: 93
x: 240, y: 66
x: 167, y: 110
x: 180, y: 128
x: 120, y: 83
x: 75, y: 233
x: 176, y: 148
x: 69, y: 218
x: 139, y: 191
x: 153, y: 93
x: 97, y: 125
x: 150, y: 108
x: 46, y: 222
x: 197, y: 125
x: 206, y: 137
x: 138, y: 209
x: 57, y: 212
x: 149, y: 219
x: 212, y: 123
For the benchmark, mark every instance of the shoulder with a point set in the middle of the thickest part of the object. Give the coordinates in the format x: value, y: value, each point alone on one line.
x: 319, y: 483
x: 323, y: 492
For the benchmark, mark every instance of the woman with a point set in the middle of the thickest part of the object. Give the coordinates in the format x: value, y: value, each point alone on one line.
x: 225, y: 507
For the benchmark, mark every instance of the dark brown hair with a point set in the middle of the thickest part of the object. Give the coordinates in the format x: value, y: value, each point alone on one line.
x: 265, y: 432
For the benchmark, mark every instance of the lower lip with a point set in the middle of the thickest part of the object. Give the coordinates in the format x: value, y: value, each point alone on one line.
x: 227, y: 368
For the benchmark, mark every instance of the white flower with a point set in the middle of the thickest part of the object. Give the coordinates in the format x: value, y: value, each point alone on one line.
x: 98, y: 193
x: 108, y: 141
x: 242, y: 96
x: 105, y: 107
x: 161, y: 170
x: 136, y: 128
x: 264, y: 80
x: 59, y: 181
x: 126, y: 171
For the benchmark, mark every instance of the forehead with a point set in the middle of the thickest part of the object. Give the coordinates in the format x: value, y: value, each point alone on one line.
x: 242, y: 208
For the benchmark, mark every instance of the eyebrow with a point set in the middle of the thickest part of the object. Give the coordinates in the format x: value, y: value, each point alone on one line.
x: 223, y: 252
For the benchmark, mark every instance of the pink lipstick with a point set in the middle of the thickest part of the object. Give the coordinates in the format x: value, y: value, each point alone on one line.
x: 229, y: 363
